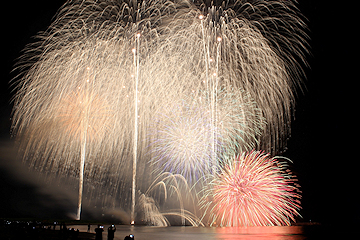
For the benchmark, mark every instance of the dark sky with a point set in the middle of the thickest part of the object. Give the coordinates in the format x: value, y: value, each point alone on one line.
x: 322, y: 144
x: 22, y: 194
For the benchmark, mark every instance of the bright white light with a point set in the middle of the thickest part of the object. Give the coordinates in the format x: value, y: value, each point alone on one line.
x: 171, y: 61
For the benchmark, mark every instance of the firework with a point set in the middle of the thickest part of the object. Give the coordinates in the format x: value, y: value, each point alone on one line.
x: 175, y: 187
x: 152, y: 214
x: 75, y: 105
x: 191, y: 142
x: 239, y: 47
x: 253, y: 190
x: 184, y: 145
x: 94, y: 84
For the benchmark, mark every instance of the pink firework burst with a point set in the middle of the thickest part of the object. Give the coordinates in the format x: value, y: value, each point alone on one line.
x: 254, y: 190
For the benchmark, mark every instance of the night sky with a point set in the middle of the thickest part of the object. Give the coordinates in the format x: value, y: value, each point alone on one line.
x: 324, y: 133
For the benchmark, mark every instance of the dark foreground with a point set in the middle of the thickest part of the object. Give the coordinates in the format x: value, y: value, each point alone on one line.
x: 14, y: 230
x: 24, y: 230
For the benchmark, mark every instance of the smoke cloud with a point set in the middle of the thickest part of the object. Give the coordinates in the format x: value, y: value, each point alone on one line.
x: 26, y: 194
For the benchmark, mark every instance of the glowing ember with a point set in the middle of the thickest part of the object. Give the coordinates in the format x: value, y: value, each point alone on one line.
x: 253, y: 190
x: 105, y: 74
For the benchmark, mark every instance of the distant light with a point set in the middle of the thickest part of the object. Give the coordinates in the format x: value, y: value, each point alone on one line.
x: 219, y: 39
x: 138, y: 34
x: 133, y: 50
x: 201, y: 17
x: 132, y: 223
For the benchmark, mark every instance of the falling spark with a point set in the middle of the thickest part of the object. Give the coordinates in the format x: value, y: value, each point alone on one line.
x: 253, y: 190
x: 184, y: 134
x: 182, y: 48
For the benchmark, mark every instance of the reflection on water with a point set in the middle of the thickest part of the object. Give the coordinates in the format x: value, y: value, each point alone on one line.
x: 271, y: 233
x: 204, y: 233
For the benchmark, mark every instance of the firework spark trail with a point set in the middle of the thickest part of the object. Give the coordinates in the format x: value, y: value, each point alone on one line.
x: 184, y: 140
x: 84, y: 46
x: 169, y: 188
x: 247, y: 60
x: 151, y: 211
x: 253, y: 190
x: 87, y: 51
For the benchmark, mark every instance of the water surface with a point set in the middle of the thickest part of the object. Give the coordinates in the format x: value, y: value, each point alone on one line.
x: 207, y: 233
